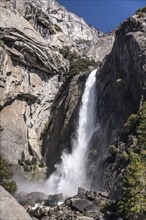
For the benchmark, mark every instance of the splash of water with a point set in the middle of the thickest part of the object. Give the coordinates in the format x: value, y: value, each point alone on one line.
x: 71, y: 173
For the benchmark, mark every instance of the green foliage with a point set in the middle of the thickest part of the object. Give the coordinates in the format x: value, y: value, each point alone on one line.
x: 113, y: 149
x: 67, y: 54
x: 82, y: 64
x: 5, y: 176
x: 77, y: 63
x: 132, y: 121
x: 1, y: 43
x: 30, y: 165
x: 124, y: 156
x: 27, y: 168
x: 141, y: 129
x: 41, y: 162
x: 22, y: 156
x: 141, y: 12
x: 34, y: 161
x: 133, y: 202
x: 28, y: 162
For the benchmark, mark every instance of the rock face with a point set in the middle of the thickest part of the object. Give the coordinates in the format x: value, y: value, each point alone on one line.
x: 10, y: 209
x: 34, y: 72
x: 121, y: 88
x: 24, y: 66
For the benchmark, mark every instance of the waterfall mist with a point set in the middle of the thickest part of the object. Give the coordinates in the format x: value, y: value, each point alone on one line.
x: 71, y: 172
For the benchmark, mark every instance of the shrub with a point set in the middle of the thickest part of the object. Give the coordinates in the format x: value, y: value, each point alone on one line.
x: 113, y: 149
x: 124, y: 156
x: 41, y: 162
x: 141, y: 129
x: 22, y: 156
x: 76, y: 66
x: 67, y: 54
x: 6, y: 175
x: 133, y: 202
x: 1, y: 43
x: 141, y: 11
x: 34, y: 161
x: 132, y: 121
x: 77, y: 63
x: 28, y: 162
x: 27, y: 168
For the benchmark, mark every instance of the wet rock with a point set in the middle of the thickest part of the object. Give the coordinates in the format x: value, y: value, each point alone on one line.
x: 53, y: 200
x: 32, y: 198
x: 81, y: 192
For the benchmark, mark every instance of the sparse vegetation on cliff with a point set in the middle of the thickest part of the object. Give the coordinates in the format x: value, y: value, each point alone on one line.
x: 82, y: 64
x: 133, y: 202
x: 129, y: 153
x: 6, y: 176
x: 30, y: 165
x: 77, y: 63
x: 141, y: 12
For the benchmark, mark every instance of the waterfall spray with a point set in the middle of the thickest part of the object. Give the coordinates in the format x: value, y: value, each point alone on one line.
x: 71, y: 173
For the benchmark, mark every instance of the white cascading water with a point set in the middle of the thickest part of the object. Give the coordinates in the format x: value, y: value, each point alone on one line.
x: 71, y: 173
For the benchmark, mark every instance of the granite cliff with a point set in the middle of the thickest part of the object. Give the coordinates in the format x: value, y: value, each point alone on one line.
x: 34, y: 68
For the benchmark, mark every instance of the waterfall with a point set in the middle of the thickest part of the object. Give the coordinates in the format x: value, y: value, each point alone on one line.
x: 71, y: 172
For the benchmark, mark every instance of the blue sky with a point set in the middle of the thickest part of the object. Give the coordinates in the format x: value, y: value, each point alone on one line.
x: 103, y: 14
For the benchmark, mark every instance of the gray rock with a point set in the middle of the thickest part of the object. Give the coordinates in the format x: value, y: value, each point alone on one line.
x: 84, y: 218
x: 81, y: 192
x: 10, y: 209
x: 91, y: 195
x: 103, y: 195
x: 57, y: 197
x: 53, y: 200
x: 68, y: 202
x: 80, y: 204
x: 32, y: 198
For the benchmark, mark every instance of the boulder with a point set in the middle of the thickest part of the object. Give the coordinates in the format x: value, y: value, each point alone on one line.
x: 81, y: 192
x: 91, y: 195
x: 93, y: 211
x: 53, y: 200
x: 10, y: 209
x: 68, y: 202
x: 38, y: 212
x: 80, y: 204
x: 103, y: 195
x: 32, y: 198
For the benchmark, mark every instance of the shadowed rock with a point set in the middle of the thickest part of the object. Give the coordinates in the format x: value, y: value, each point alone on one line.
x: 10, y: 209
